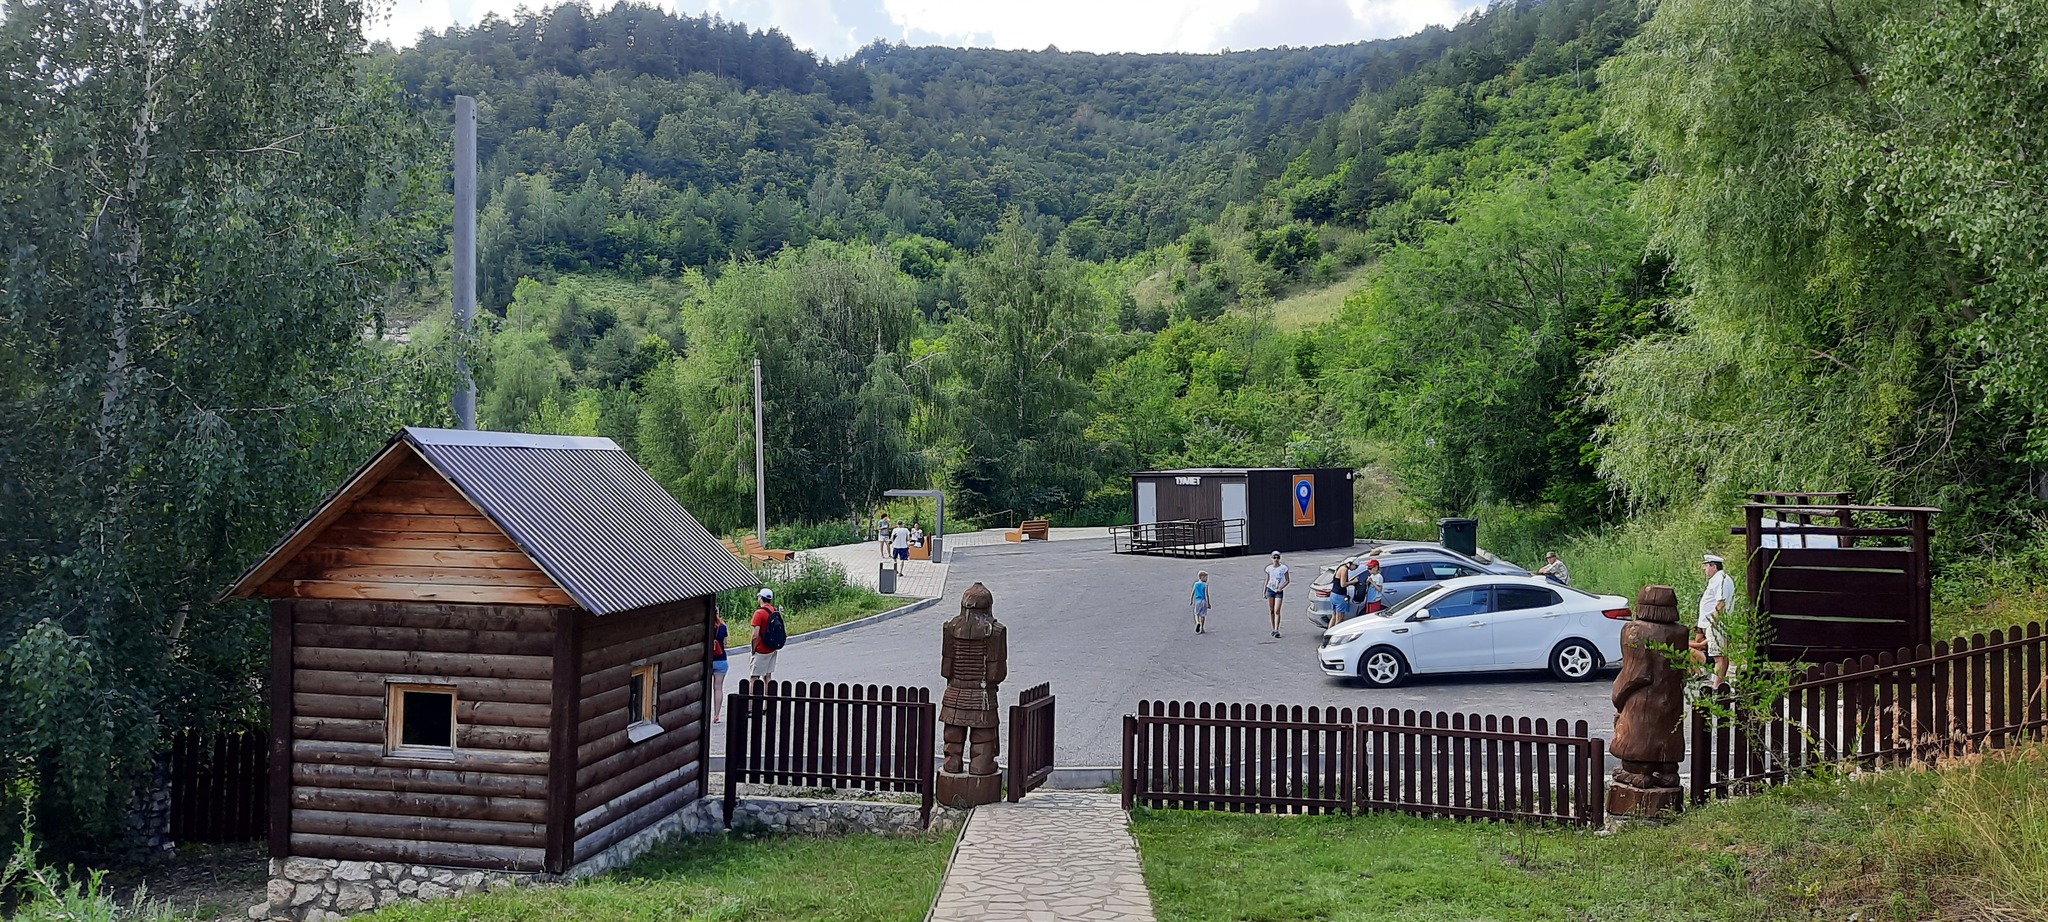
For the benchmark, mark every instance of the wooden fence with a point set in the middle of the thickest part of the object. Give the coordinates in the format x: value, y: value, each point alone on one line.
x: 1460, y: 765
x: 1239, y: 757
x: 1263, y: 759
x: 826, y: 735
x: 219, y: 783
x: 1031, y: 737
x: 1918, y: 705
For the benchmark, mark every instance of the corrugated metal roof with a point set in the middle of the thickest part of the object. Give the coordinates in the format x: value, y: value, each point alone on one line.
x: 587, y: 514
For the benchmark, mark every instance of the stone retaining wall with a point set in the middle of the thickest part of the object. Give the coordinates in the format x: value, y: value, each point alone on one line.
x: 319, y: 889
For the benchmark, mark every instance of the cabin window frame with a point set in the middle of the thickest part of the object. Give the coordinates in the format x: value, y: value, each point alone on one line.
x: 394, y: 720
x: 643, y: 721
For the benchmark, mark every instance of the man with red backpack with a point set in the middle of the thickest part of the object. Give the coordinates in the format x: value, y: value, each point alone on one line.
x: 769, y: 636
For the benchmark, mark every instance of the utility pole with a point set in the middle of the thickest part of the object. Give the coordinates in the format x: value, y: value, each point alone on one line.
x: 465, y: 257
x: 760, y: 466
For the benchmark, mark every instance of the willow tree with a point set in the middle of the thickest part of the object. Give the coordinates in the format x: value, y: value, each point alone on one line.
x: 1851, y: 190
x: 204, y: 205
x: 831, y: 325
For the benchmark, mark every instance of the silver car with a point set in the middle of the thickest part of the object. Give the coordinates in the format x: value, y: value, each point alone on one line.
x: 1406, y: 569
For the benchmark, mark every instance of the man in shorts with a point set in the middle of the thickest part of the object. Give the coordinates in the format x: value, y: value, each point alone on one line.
x: 1277, y: 578
x: 899, y: 545
x: 1715, y: 602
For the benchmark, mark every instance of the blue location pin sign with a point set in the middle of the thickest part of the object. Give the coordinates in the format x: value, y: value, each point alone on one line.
x: 1302, y: 493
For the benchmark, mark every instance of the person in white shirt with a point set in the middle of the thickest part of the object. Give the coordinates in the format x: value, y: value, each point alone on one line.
x: 899, y: 545
x: 1715, y: 603
x: 916, y: 535
x: 1277, y: 579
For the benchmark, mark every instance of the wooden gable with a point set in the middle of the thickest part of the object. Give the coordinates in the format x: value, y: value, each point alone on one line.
x: 403, y: 533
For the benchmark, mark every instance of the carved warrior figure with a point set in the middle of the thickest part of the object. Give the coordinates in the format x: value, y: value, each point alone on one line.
x: 1649, y: 694
x: 975, y: 659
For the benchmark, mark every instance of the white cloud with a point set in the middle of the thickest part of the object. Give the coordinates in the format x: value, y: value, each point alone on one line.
x: 836, y: 28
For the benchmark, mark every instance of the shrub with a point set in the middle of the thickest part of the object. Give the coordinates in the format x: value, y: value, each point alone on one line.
x: 802, y: 536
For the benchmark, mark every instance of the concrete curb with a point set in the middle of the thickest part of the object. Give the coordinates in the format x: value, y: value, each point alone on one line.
x: 899, y: 612
x: 952, y: 861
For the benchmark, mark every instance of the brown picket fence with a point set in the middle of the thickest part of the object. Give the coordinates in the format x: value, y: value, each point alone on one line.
x: 218, y: 785
x: 1267, y: 759
x: 873, y: 737
x: 1031, y: 738
x: 1917, y: 706
x: 1481, y: 767
x: 1242, y: 758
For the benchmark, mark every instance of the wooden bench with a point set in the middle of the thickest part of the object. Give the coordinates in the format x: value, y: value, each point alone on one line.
x: 757, y: 552
x: 1030, y: 530
x: 921, y: 551
x: 734, y: 548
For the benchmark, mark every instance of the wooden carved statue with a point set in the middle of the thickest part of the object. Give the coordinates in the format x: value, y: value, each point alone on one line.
x: 974, y: 660
x: 1649, y: 702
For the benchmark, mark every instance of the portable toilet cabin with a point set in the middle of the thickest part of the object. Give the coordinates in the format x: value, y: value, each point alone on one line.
x: 488, y: 650
x: 1235, y: 509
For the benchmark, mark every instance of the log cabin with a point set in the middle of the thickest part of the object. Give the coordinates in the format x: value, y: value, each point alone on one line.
x: 488, y: 650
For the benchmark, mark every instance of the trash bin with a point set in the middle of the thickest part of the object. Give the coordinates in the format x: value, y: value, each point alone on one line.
x: 885, y: 581
x: 1461, y: 535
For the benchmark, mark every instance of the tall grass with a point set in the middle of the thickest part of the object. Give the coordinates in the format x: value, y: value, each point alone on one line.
x: 1992, y: 813
x: 32, y: 892
x: 1968, y: 841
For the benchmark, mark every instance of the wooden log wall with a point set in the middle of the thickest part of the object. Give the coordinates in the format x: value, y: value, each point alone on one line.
x: 486, y: 806
x: 411, y: 536
x: 622, y: 786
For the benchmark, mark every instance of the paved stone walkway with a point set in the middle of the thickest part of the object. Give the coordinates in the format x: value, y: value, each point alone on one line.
x: 923, y: 579
x: 1054, y: 857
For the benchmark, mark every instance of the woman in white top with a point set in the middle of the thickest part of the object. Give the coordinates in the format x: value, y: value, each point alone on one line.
x: 1277, y: 579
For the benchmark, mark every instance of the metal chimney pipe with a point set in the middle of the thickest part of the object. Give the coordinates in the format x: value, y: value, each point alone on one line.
x: 465, y: 256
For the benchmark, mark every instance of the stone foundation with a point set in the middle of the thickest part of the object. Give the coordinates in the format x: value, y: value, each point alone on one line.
x: 149, y: 818
x: 319, y: 889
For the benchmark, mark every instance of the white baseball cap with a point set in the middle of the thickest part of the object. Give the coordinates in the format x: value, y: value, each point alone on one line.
x: 767, y: 593
x: 1712, y: 558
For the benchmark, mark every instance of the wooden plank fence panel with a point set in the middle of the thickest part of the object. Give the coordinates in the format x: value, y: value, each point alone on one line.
x: 219, y: 784
x: 1920, y: 705
x: 830, y: 735
x: 1291, y: 759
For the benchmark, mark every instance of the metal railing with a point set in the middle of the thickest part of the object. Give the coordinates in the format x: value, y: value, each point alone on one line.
x: 1181, y: 538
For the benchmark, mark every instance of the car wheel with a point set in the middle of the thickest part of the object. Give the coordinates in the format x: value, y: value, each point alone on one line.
x: 1574, y: 661
x: 1382, y: 667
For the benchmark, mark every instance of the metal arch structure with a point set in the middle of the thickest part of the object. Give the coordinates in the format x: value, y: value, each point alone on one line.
x: 939, y: 517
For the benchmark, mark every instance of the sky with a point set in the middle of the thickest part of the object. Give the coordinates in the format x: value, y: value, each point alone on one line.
x: 837, y: 28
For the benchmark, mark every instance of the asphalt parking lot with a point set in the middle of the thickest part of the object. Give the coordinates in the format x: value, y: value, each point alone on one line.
x: 1107, y: 630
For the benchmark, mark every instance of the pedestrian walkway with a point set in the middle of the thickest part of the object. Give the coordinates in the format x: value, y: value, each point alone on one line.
x: 923, y: 579
x: 1054, y: 857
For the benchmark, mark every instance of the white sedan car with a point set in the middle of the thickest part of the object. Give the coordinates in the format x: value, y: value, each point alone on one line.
x: 1480, y: 624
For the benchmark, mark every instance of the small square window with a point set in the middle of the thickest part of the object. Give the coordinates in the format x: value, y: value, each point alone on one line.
x: 640, y: 695
x: 420, y: 719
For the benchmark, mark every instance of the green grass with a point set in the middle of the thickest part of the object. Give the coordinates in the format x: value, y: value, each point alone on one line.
x: 740, y: 632
x: 813, y: 593
x: 1969, y: 842
x: 799, y: 879
x: 1304, y: 310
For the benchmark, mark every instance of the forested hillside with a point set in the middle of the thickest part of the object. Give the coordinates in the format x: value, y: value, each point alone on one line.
x: 1606, y: 268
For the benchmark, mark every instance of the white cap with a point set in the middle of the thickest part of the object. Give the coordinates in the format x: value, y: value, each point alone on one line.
x: 767, y: 593
x: 1713, y: 559
x: 1276, y: 553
